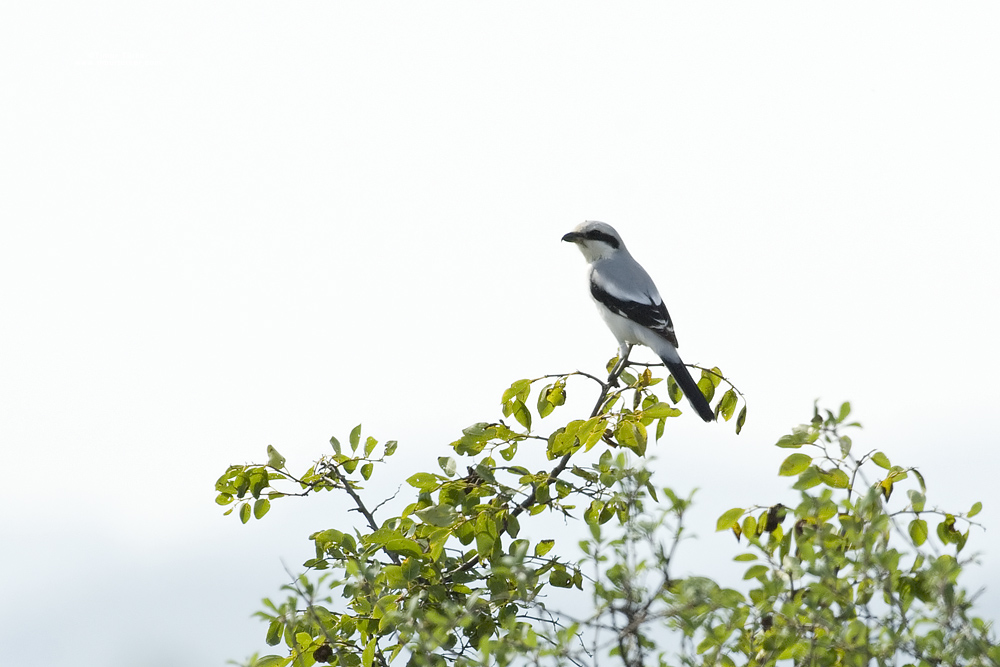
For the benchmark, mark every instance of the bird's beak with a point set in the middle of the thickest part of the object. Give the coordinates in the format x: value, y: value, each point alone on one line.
x: 572, y: 237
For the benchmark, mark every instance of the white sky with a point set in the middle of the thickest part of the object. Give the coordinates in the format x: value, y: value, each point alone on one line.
x: 227, y: 225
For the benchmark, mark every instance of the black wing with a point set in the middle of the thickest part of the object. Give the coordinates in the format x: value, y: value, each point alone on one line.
x: 650, y: 315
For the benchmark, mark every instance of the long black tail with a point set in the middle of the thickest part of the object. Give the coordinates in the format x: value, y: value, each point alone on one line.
x: 690, y: 389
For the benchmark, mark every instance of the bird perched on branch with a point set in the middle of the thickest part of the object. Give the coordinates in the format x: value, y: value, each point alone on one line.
x: 631, y: 306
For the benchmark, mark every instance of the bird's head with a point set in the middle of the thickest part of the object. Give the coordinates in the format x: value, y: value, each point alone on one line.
x: 596, y: 240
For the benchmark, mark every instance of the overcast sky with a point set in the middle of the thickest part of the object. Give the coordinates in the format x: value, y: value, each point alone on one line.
x: 230, y: 224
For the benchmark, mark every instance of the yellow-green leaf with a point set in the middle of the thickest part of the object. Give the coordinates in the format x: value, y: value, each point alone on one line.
x: 661, y: 410
x: 918, y: 531
x: 261, y: 507
x: 274, y: 459
x: 521, y: 413
x: 794, y: 464
x: 881, y: 460
x: 727, y: 406
x: 835, y: 478
x: 741, y: 419
x: 728, y: 519
x: 368, y: 655
x: 544, y: 547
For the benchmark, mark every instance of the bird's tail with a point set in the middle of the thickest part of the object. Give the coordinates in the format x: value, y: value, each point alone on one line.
x: 690, y: 389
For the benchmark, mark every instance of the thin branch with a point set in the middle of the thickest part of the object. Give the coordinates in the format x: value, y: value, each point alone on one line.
x: 361, y: 507
x: 566, y: 375
x: 390, y: 498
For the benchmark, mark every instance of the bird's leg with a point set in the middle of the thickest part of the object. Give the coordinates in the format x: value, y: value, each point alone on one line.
x: 623, y: 353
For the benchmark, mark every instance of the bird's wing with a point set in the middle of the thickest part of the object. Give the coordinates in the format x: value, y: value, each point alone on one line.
x: 645, y: 308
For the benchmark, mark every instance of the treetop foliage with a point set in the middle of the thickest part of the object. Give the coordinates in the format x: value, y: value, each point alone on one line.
x: 852, y: 575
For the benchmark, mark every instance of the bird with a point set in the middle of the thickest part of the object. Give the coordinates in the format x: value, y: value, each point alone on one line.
x: 631, y: 305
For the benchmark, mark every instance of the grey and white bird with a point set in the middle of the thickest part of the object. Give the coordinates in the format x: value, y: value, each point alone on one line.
x: 631, y: 305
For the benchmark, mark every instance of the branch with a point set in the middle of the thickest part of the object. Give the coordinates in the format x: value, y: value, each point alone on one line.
x: 361, y: 507
x: 558, y: 470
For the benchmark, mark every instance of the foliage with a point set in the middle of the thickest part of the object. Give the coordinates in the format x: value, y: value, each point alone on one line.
x: 453, y: 579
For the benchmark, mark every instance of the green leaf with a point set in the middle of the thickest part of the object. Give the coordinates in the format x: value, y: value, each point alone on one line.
x: 714, y: 376
x: 335, y: 444
x: 917, y: 500
x: 794, y: 464
x: 273, y: 660
x: 789, y: 442
x: 366, y: 470
x: 946, y: 529
x: 513, y: 526
x: 518, y: 389
x: 976, y: 508
x: 745, y: 557
x: 245, y: 512
x: 484, y: 544
x: 544, y: 547
x: 728, y: 519
x: 261, y: 507
x: 560, y: 579
x: 404, y: 546
x: 424, y: 481
x: 661, y: 410
x: 551, y: 397
x: 727, y: 406
x: 591, y: 432
x: 845, y: 446
x: 440, y: 516
x: 448, y: 465
x: 835, y: 478
x: 881, y: 460
x: 845, y: 409
x: 355, y: 437
x: 756, y: 572
x: 274, y: 459
x: 674, y: 392
x: 390, y: 447
x: 918, y: 531
x: 224, y: 499
x: 274, y: 632
x: 370, y: 444
x: 808, y: 479
x: 707, y: 386
x: 368, y: 655
x: 521, y: 413
x: 741, y: 420
x: 632, y: 434
x: 544, y: 407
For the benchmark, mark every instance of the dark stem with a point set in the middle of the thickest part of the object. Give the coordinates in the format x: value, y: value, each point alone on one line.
x: 361, y: 507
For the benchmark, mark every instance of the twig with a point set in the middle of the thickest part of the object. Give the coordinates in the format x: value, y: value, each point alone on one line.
x: 361, y: 507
